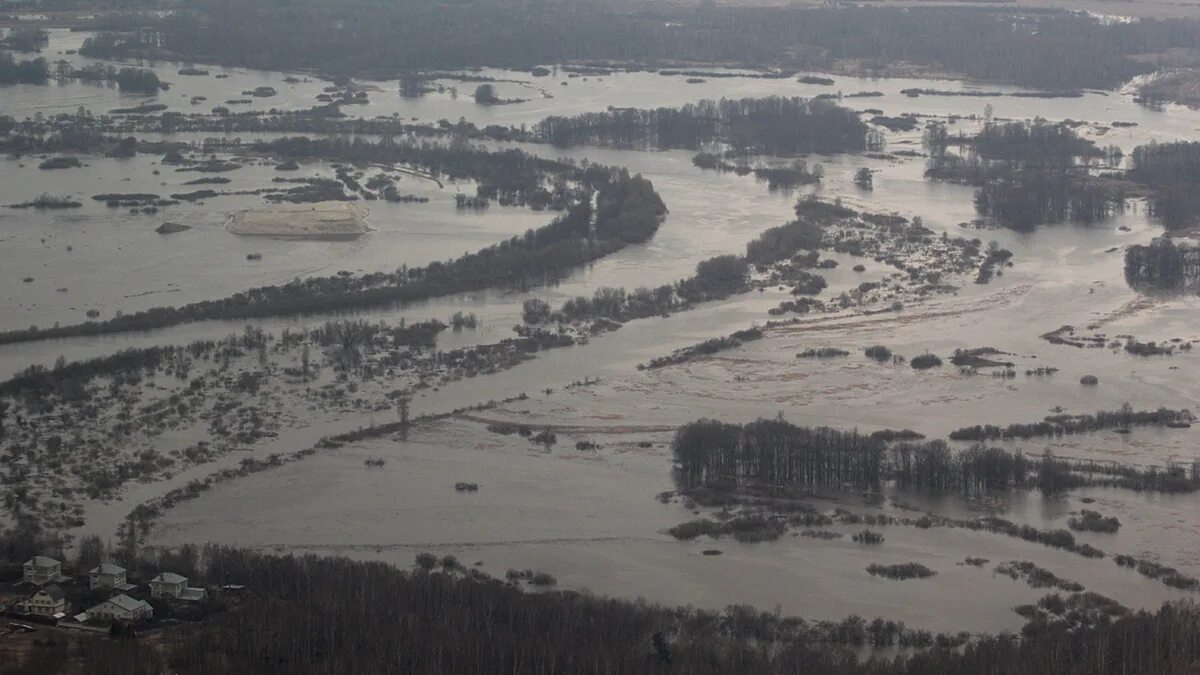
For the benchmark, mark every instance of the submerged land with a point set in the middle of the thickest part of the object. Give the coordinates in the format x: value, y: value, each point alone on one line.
x: 874, y: 354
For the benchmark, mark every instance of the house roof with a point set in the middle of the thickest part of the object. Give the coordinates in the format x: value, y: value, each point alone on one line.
x: 53, y: 591
x: 124, y: 602
x: 42, y: 561
x: 108, y: 568
x: 169, y: 578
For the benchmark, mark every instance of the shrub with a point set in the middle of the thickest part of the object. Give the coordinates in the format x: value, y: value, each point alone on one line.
x: 901, y: 571
x: 1092, y: 521
x: 926, y: 361
x: 879, y: 353
x: 868, y: 537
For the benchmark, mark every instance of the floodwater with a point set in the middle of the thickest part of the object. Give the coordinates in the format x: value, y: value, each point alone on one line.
x: 592, y: 520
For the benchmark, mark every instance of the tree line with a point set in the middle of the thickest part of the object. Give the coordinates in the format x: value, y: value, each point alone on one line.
x: 1054, y: 50
x: 774, y: 454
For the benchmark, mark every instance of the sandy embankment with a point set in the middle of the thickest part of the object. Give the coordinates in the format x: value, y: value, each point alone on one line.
x: 325, y: 220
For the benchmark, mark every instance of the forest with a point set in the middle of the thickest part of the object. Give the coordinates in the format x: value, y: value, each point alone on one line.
x: 773, y: 125
x: 323, y: 615
x: 1047, y: 49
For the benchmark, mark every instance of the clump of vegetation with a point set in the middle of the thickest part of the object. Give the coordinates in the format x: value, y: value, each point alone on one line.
x: 63, y: 162
x: 879, y: 353
x: 532, y: 577
x: 1093, y: 521
x: 900, y: 571
x: 868, y: 537
x: 1089, y: 380
x: 748, y: 529
x: 926, y: 361
x: 46, y: 201
x: 822, y: 353
x: 1035, y: 576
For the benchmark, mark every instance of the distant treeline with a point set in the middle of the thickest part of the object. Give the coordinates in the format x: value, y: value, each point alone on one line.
x: 314, y: 615
x: 774, y: 125
x: 1058, y: 425
x: 1046, y: 49
x: 628, y: 210
x: 1026, y: 173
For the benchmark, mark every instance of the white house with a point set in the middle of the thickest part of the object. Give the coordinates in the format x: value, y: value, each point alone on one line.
x: 168, y: 585
x: 49, y: 601
x: 41, y: 570
x: 108, y: 575
x: 121, y: 608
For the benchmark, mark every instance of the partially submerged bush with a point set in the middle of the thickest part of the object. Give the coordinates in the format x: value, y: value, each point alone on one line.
x: 868, y: 537
x: 879, y: 353
x: 901, y: 571
x: 1092, y: 521
x: 926, y: 361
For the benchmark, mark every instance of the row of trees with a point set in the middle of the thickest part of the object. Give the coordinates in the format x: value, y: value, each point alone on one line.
x: 774, y: 453
x: 1050, y: 50
x: 773, y: 125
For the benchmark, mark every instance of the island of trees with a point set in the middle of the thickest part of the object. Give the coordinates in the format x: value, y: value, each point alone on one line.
x: 770, y: 126
x: 1026, y: 173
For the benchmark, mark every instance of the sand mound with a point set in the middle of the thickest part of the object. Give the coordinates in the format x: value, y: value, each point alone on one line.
x: 325, y: 220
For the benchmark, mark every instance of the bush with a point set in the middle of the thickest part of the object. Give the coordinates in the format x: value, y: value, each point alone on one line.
x: 879, y: 353
x: 1092, y: 521
x: 901, y: 571
x: 868, y: 537
x: 1089, y: 380
x: 926, y: 361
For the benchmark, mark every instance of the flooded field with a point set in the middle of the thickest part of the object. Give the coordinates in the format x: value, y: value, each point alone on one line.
x: 590, y: 517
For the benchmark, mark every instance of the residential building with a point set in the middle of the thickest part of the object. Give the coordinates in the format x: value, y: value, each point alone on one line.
x: 108, y: 575
x: 121, y: 608
x: 168, y: 585
x: 48, y: 601
x: 41, y: 570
